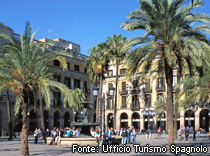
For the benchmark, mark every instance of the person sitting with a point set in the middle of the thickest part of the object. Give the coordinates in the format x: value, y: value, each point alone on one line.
x: 77, y: 132
x: 68, y: 132
x: 58, y: 138
x: 98, y: 136
x: 92, y: 132
x: 54, y: 134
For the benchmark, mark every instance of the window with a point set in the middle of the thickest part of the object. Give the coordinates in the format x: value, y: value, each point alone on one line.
x: 57, y: 78
x: 148, y: 99
x: 159, y: 95
x: 135, y: 83
x: 76, y: 83
x: 56, y: 63
x: 124, y: 102
x: 57, y: 97
x: 85, y: 86
x: 67, y: 82
x: 85, y: 70
x: 110, y: 72
x: 123, y: 85
x: 122, y: 71
x: 174, y: 80
x: 135, y: 101
x: 147, y: 84
x: 76, y: 67
x: 68, y: 66
x: 110, y: 85
x: 160, y: 82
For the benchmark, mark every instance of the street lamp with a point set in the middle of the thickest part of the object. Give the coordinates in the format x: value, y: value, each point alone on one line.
x: 111, y: 95
x: 148, y: 113
x: 194, y: 108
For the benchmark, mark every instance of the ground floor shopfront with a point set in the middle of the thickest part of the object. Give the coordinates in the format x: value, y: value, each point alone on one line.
x: 125, y: 118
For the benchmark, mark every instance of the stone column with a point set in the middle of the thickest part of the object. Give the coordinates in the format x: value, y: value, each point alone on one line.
x: 51, y: 119
x: 154, y: 92
x: 197, y: 119
x: 72, y: 83
x: 61, y: 123
x: 81, y: 84
x: 182, y: 119
x: 141, y: 123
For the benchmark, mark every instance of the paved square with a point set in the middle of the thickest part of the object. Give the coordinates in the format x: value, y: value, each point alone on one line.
x: 12, y: 148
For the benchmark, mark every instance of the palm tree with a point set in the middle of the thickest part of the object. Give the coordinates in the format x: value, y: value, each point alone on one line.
x: 116, y: 43
x: 20, y: 72
x: 168, y: 36
x: 97, y: 65
x: 79, y: 97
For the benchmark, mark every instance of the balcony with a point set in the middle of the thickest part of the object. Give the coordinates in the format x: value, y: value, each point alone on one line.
x: 109, y: 107
x: 147, y: 90
x: 135, y: 106
x: 123, y: 92
x: 134, y: 90
x: 161, y: 89
x: 123, y: 106
x: 85, y: 90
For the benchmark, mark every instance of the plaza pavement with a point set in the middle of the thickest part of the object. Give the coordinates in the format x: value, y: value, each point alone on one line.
x: 12, y: 148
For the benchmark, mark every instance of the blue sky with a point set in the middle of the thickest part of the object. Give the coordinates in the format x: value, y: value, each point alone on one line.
x: 85, y: 22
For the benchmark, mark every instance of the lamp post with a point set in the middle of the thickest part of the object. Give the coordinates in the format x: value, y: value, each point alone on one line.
x: 111, y: 95
x: 148, y: 113
x: 194, y: 108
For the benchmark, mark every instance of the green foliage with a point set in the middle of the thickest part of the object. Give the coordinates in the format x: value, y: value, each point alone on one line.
x: 24, y: 69
x: 97, y: 62
x: 169, y: 36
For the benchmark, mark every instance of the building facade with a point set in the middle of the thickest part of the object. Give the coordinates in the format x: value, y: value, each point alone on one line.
x: 75, y: 77
x: 135, y: 99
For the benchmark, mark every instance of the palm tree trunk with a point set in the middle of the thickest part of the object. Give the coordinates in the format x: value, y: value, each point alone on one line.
x: 9, y: 116
x: 115, y: 100
x: 100, y: 101
x: 42, y: 116
x: 24, y: 132
x: 169, y: 100
x: 179, y: 75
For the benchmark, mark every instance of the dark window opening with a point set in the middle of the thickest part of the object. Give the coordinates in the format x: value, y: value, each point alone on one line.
x: 56, y: 63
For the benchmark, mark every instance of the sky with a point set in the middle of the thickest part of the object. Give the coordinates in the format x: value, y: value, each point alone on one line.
x: 84, y: 22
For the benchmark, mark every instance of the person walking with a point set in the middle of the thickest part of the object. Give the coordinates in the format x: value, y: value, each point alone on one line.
x: 187, y: 133
x: 159, y: 131
x: 109, y: 136
x: 36, y: 135
x: 179, y: 132
x: 124, y: 136
x: 133, y: 136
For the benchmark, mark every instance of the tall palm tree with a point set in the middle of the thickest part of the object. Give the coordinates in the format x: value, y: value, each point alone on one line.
x: 118, y: 54
x: 97, y: 65
x: 79, y: 97
x: 168, y: 36
x: 20, y: 70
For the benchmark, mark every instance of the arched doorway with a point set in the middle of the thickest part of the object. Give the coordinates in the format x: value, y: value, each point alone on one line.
x: 46, y: 119
x: 32, y: 121
x: 56, y: 119
x: 161, y: 121
x: 136, y: 120
x: 204, y: 119
x: 110, y: 120
x: 189, y: 118
x: 66, y: 120
x: 124, y: 120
